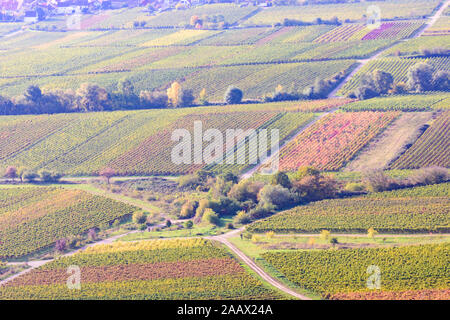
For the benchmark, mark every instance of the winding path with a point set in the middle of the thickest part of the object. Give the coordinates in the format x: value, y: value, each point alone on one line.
x: 249, y: 262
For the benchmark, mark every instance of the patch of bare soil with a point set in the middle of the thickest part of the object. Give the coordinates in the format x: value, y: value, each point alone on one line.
x: 391, y: 143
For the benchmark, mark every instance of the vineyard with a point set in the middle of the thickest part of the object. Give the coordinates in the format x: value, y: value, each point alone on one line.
x: 35, y: 217
x: 431, y: 149
x: 157, y: 270
x: 332, y: 141
x: 352, y: 11
x: 397, y: 67
x: 258, y: 80
x: 344, y: 273
x: 405, y: 211
x: 388, y: 30
x: 405, y: 103
x: 135, y: 142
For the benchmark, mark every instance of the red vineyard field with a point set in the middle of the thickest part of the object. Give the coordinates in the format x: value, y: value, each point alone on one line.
x: 331, y: 142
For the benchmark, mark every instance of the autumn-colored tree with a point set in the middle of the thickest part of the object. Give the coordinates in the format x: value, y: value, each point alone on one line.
x: 173, y: 93
x: 194, y: 20
x: 11, y: 172
x: 325, y: 235
x: 202, y: 97
x: 371, y: 232
x: 107, y: 173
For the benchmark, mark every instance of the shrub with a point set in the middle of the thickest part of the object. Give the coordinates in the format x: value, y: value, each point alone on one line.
x: 275, y: 195
x: 325, y: 235
x: 245, y: 190
x: 211, y: 217
x: 377, y: 181
x: 354, y: 187
x: 242, y: 218
x: 139, y: 217
x: 282, y: 179
x: 188, y: 209
x: 431, y: 175
x: 189, y: 181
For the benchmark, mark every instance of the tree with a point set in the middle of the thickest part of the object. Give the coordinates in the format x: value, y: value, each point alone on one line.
x: 33, y: 94
x: 153, y: 99
x: 441, y: 80
x: 125, y: 87
x: 6, y: 106
x: 334, y: 241
x: 186, y: 98
x: 91, y: 97
x: 11, y: 172
x: 48, y: 176
x: 371, y: 232
x: 282, y: 179
x: 30, y: 176
x: 365, y: 92
x: 383, y: 81
x: 202, y: 97
x: 189, y: 224
x: 168, y: 223
x: 107, y: 173
x: 188, y: 209
x: 139, y: 217
x: 275, y: 195
x: 420, y: 77
x: 233, y: 95
x: 211, y: 217
x: 314, y: 187
x: 173, y: 94
x: 61, y: 245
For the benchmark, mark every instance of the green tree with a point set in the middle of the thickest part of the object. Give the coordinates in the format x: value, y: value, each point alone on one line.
x: 281, y: 179
x: 420, y: 77
x: 233, y: 95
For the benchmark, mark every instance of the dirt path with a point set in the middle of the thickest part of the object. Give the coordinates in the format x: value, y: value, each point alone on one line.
x: 38, y: 263
x: 433, y: 19
x: 249, y: 262
x: 364, y: 235
x: 388, y: 145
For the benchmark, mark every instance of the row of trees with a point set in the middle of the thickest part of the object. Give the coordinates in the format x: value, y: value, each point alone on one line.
x: 26, y: 175
x: 91, y: 97
x: 421, y: 78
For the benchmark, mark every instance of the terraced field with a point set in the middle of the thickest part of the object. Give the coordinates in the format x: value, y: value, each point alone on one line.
x: 157, y: 270
x: 33, y: 218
